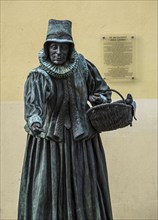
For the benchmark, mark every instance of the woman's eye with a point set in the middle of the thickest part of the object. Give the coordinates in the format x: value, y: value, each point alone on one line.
x: 54, y: 47
x: 65, y: 47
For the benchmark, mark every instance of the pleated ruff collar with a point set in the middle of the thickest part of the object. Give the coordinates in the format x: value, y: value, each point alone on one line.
x: 62, y: 71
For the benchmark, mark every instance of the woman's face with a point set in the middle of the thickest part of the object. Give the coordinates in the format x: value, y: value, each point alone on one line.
x: 58, y: 53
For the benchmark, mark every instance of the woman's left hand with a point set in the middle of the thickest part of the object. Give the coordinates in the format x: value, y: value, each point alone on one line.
x: 97, y: 99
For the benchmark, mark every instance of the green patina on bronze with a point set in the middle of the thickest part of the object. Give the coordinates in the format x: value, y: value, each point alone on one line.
x: 64, y: 174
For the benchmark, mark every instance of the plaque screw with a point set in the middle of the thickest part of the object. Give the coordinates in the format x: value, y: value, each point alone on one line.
x: 132, y: 37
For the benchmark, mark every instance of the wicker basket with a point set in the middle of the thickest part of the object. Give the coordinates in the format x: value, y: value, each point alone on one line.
x: 111, y: 116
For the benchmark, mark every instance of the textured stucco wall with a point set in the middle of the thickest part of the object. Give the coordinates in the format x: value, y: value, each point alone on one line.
x: 131, y: 152
x: 24, y: 26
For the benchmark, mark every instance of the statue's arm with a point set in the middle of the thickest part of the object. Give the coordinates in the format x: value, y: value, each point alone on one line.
x: 36, y: 93
x: 97, y: 86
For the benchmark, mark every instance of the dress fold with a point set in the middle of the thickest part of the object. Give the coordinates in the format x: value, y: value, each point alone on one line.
x: 64, y: 181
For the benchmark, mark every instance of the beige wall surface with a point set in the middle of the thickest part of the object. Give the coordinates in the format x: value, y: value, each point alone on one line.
x: 131, y: 152
x: 24, y: 26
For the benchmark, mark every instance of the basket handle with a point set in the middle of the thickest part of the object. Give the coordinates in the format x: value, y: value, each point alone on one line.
x: 113, y: 90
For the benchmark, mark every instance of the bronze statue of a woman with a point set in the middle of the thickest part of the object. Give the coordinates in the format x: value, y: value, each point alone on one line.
x: 64, y: 174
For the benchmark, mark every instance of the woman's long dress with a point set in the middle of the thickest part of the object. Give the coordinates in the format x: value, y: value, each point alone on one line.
x: 65, y: 179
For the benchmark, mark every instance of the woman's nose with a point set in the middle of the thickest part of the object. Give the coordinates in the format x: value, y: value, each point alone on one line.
x: 58, y: 50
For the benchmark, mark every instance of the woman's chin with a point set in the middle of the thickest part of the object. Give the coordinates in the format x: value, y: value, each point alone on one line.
x: 58, y: 62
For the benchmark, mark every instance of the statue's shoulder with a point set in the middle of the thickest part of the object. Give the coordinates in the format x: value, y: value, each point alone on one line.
x: 39, y: 72
x: 87, y: 63
x: 83, y: 63
x: 81, y: 57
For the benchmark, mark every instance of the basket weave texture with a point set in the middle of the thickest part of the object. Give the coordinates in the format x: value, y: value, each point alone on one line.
x: 106, y: 117
x: 111, y: 116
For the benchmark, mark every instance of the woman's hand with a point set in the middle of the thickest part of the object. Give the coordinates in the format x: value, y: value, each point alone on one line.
x: 97, y: 99
x: 36, y: 128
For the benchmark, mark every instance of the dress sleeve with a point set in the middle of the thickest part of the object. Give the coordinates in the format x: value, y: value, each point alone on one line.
x: 96, y: 84
x: 36, y: 93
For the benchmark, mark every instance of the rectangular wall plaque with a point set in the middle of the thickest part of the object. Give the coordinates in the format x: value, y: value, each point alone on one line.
x: 119, y: 56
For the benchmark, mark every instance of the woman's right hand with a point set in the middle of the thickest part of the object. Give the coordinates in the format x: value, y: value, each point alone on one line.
x: 36, y: 128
